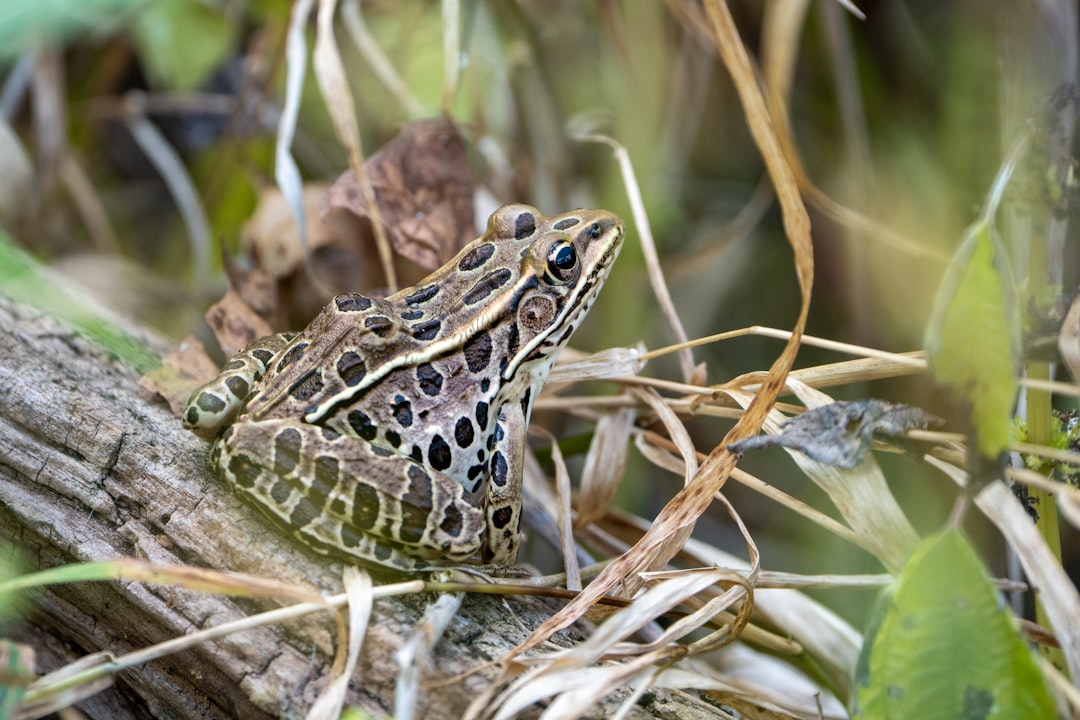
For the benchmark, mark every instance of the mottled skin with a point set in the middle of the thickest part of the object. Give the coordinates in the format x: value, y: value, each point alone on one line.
x: 392, y: 431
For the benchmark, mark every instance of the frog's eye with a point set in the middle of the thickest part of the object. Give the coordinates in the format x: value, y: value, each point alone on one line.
x: 561, y: 262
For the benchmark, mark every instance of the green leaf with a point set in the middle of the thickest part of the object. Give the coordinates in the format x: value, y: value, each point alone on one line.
x: 180, y: 42
x: 27, y: 24
x: 973, y: 342
x: 943, y: 645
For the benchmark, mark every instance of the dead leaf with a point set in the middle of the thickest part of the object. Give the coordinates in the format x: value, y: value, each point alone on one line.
x: 235, y: 323
x: 840, y: 433
x: 182, y: 370
x: 257, y: 288
x: 424, y: 189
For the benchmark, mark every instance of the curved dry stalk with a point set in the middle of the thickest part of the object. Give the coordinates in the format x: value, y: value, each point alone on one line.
x: 330, y: 74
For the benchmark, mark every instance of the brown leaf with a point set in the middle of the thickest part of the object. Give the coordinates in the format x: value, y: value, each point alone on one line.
x: 272, y: 238
x: 424, y: 190
x: 256, y: 288
x: 181, y: 371
x: 235, y: 323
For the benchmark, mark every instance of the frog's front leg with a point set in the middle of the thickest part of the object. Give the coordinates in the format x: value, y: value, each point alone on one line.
x: 505, y: 485
x: 345, y: 496
x: 218, y: 402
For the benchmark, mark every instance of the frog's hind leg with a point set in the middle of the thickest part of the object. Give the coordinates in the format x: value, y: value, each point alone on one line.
x: 217, y: 403
x: 344, y: 496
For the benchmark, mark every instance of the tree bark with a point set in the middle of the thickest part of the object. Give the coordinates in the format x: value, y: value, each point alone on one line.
x: 93, y: 467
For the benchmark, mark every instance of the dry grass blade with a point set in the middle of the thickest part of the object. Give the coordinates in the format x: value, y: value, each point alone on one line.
x: 286, y: 173
x: 330, y: 73
x: 177, y: 179
x: 675, y: 522
x: 758, y: 685
x: 566, y: 671
x: 565, y: 517
x: 604, y: 464
x: 377, y: 61
x: 577, y: 684
x: 358, y: 587
x: 573, y: 366
x: 415, y: 655
x: 66, y: 686
x: 451, y: 14
x: 191, y: 578
x: 648, y: 249
x: 677, y: 432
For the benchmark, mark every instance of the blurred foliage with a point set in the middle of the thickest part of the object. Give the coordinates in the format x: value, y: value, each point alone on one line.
x: 947, y: 650
x: 973, y: 337
x: 181, y: 43
x: 899, y: 117
x: 20, y: 279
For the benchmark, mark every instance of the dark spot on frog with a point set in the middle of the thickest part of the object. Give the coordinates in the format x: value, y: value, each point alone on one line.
x: 393, y: 438
x: 422, y: 295
x: 303, y: 513
x: 478, y: 352
x: 365, y: 507
x: 513, y: 340
x: 402, y: 411
x: 351, y: 368
x: 234, y: 365
x: 244, y: 470
x: 463, y: 432
x: 502, y: 517
x: 238, y: 386
x: 524, y: 226
x: 412, y: 314
x: 566, y: 223
x: 287, y: 445
x: 427, y: 330
x: 361, y: 424
x: 431, y: 380
x: 379, y: 324
x: 281, y: 491
x: 417, y: 454
x: 487, y: 285
x: 439, y: 455
x: 476, y: 257
x: 294, y: 354
x: 262, y: 355
x: 309, y: 384
x: 208, y: 402
x: 482, y: 414
x: 451, y: 523
x: 498, y: 469
x: 327, y: 473
x: 352, y: 302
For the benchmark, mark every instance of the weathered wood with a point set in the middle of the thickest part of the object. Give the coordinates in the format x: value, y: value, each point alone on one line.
x: 94, y: 467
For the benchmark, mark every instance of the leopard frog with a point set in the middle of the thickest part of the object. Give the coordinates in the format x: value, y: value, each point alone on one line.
x: 392, y: 431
